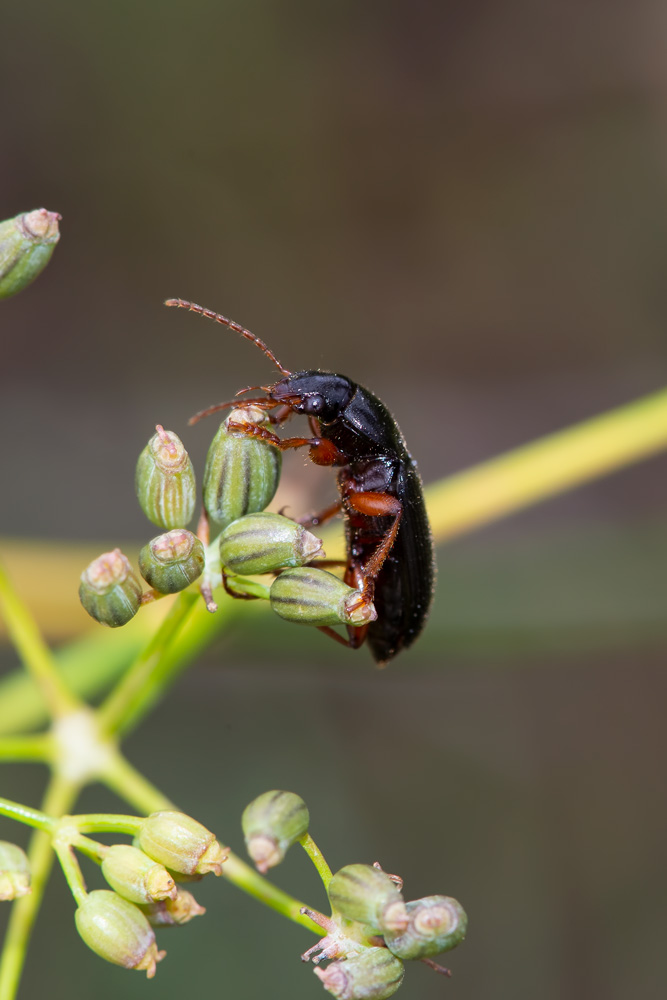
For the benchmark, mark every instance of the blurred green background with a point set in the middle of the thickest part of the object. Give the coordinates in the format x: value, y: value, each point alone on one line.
x: 463, y: 206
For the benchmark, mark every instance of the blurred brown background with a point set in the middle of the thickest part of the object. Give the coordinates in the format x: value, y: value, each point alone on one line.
x: 463, y: 206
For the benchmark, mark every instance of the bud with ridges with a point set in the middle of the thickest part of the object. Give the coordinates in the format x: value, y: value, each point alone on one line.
x: 173, y: 912
x: 109, y: 590
x: 135, y: 876
x: 118, y: 931
x: 261, y: 543
x: 436, y: 924
x: 310, y: 596
x: 181, y: 844
x: 242, y: 472
x: 371, y: 974
x: 165, y: 481
x: 14, y: 871
x: 171, y: 562
x: 369, y: 896
x: 271, y: 824
x: 26, y: 245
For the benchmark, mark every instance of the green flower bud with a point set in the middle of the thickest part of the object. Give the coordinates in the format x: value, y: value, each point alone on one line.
x: 171, y: 562
x: 26, y: 245
x: 135, y: 876
x: 242, y: 472
x: 310, y: 596
x: 371, y: 974
x: 118, y: 931
x: 109, y: 590
x: 271, y: 824
x: 14, y: 871
x: 165, y: 481
x: 181, y: 843
x: 260, y: 543
x: 172, y: 912
x: 367, y: 895
x: 436, y: 924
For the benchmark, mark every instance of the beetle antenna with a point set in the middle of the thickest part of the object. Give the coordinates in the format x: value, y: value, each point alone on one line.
x: 219, y: 318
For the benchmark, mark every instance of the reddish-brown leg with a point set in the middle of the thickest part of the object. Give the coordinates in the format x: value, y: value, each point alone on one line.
x: 312, y: 520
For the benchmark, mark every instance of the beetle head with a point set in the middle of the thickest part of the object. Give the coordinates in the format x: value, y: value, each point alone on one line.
x: 317, y: 394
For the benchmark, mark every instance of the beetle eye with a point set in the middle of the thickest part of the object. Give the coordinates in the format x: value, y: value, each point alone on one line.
x: 313, y: 404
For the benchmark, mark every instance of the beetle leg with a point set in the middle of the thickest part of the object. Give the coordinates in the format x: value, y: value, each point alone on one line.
x: 355, y: 636
x: 312, y: 520
x: 322, y: 451
x: 375, y: 505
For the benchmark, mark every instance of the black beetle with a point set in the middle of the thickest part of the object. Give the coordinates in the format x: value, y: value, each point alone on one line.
x: 389, y: 546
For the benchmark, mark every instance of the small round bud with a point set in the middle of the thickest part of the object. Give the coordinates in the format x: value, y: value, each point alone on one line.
x: 109, y: 590
x: 171, y: 562
x: 26, y: 245
x: 242, y: 472
x: 369, y: 896
x: 118, y: 931
x: 310, y: 596
x: 436, y: 924
x: 261, y: 543
x: 14, y: 871
x: 371, y: 974
x: 165, y: 481
x: 181, y: 844
x: 173, y: 912
x: 135, y: 876
x: 271, y: 824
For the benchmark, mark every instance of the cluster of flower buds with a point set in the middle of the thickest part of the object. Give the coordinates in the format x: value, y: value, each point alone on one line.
x: 372, y: 930
x: 26, y: 245
x: 118, y: 923
x: 240, y: 479
x: 14, y: 871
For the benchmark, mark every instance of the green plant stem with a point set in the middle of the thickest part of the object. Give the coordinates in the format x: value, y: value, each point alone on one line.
x: 24, y: 814
x: 107, y: 823
x: 146, y: 679
x: 33, y: 650
x: 71, y: 871
x: 129, y: 784
x: 33, y: 748
x: 548, y: 467
x: 245, y: 878
x: 59, y: 798
x: 316, y: 856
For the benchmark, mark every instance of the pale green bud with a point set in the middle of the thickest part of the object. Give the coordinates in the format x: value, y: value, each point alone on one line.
x: 310, y: 596
x: 173, y: 912
x: 26, y: 245
x: 165, y: 481
x: 435, y: 924
x: 171, y: 562
x: 371, y: 974
x: 14, y: 871
x: 118, y: 931
x: 135, y: 876
x: 369, y: 896
x: 109, y: 590
x: 261, y: 543
x: 242, y: 472
x: 271, y: 824
x: 181, y: 844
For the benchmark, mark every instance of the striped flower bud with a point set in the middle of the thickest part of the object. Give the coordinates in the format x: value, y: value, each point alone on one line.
x: 171, y: 562
x: 14, y: 871
x: 135, y: 876
x: 109, y: 590
x: 165, y: 481
x: 271, y: 824
x: 371, y: 974
x: 436, y: 924
x: 26, y: 245
x: 369, y: 896
x: 180, y: 843
x: 242, y: 472
x: 311, y: 596
x: 118, y: 931
x: 173, y: 912
x: 260, y: 543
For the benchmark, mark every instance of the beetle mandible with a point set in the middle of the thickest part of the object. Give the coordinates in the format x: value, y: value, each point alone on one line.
x: 389, y: 546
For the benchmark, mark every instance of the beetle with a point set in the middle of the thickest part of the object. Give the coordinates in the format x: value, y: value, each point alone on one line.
x: 390, y: 557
